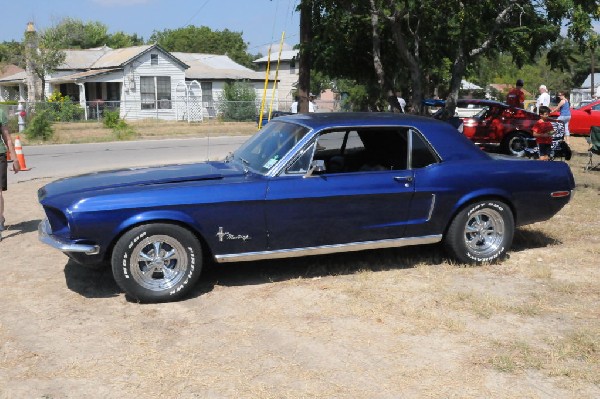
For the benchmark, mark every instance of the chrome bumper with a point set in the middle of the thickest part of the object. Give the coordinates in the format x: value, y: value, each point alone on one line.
x: 45, y: 236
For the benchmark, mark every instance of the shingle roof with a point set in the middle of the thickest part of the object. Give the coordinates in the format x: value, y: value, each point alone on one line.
x: 106, y: 57
x: 287, y: 55
x: 216, y: 67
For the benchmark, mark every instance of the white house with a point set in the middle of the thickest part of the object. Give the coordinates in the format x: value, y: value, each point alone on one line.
x: 287, y: 76
x: 143, y: 81
x: 584, y: 93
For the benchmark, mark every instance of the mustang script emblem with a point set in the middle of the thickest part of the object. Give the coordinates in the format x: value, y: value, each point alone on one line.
x: 228, y: 236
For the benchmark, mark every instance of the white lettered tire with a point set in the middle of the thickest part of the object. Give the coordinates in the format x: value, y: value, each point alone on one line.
x: 482, y: 232
x: 157, y: 262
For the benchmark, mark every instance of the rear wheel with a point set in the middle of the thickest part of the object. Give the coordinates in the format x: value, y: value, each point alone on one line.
x: 481, y: 232
x: 157, y: 262
x: 515, y: 144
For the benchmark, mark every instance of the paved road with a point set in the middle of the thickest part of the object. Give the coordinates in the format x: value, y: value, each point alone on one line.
x: 71, y: 159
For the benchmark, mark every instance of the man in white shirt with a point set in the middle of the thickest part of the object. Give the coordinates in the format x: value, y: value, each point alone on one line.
x: 544, y: 98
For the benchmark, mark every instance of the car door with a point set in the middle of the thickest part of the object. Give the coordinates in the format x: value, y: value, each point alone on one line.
x: 358, y: 203
x: 490, y: 127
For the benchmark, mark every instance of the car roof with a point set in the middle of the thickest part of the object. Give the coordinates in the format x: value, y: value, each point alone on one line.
x: 447, y: 140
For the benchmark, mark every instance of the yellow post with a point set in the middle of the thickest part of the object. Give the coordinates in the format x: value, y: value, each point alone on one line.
x: 262, y: 103
x: 276, y: 74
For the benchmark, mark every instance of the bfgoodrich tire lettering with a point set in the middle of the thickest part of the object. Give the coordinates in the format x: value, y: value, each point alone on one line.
x: 481, y: 232
x: 157, y: 262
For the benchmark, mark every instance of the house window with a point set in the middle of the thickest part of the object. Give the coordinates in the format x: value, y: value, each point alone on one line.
x: 155, y: 92
x: 153, y: 59
x: 207, y: 96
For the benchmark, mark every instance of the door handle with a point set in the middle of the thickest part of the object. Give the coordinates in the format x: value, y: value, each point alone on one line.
x: 404, y: 179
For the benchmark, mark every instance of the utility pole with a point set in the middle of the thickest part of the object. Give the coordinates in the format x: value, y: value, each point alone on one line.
x: 304, y: 67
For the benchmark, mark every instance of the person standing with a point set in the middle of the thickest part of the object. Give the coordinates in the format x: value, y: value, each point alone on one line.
x: 516, y: 97
x: 543, y: 132
x: 6, y: 145
x: 543, y: 99
x: 564, y: 109
x: 401, y: 101
x: 294, y: 107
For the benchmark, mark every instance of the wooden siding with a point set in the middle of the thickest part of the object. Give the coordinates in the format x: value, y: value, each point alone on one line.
x: 130, y: 95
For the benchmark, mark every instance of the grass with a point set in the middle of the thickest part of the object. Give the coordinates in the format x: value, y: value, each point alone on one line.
x: 392, y: 323
x: 94, y: 131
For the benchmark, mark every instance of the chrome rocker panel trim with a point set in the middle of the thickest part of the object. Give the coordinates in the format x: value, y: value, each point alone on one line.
x: 328, y: 249
x: 45, y: 236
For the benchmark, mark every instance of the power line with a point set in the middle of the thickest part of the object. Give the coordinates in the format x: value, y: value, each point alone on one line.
x: 197, y: 12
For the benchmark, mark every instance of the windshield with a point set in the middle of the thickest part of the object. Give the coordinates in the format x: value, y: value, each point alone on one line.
x: 269, y: 146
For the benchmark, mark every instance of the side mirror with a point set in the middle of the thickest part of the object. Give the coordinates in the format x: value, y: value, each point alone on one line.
x: 588, y: 111
x: 316, y: 166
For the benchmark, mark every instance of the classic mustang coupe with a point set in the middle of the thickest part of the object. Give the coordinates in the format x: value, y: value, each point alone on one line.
x: 303, y: 185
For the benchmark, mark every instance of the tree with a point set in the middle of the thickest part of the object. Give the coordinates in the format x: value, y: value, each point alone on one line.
x: 192, y: 39
x: 41, y: 58
x: 121, y: 40
x: 12, y: 53
x: 432, y: 41
x: 72, y: 33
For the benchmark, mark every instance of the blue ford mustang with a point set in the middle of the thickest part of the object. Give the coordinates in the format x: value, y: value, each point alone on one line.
x: 303, y: 185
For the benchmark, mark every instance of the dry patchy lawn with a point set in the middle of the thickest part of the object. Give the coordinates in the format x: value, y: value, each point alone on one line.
x: 399, y: 323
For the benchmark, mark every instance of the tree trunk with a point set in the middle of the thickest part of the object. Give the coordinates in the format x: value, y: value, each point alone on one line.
x: 386, y: 87
x: 413, y: 63
x: 305, y: 61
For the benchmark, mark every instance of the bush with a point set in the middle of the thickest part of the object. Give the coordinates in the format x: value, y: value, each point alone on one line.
x: 40, y: 126
x: 238, y: 102
x: 62, y: 108
x: 111, y: 119
x: 121, y: 130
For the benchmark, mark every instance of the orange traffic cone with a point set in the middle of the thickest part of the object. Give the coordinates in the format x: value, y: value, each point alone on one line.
x: 20, y: 156
x: 8, y: 158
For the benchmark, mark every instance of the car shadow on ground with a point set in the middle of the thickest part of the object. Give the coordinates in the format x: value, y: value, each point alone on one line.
x: 91, y: 283
x: 269, y: 271
x: 531, y: 239
x: 94, y: 283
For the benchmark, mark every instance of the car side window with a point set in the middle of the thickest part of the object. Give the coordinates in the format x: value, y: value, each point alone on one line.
x: 364, y: 150
x: 421, y: 153
x: 596, y: 107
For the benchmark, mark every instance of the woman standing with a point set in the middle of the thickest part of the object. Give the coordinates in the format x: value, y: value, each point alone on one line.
x: 565, y: 112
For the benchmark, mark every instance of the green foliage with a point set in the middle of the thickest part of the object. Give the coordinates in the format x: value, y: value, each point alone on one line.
x: 40, y: 126
x: 193, y: 39
x: 61, y: 108
x: 12, y: 53
x: 73, y: 33
x: 120, y: 128
x: 123, y: 131
x: 110, y: 119
x: 121, y: 40
x: 238, y: 102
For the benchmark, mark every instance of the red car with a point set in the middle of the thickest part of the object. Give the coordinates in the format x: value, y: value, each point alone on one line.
x: 583, y: 118
x: 498, y: 126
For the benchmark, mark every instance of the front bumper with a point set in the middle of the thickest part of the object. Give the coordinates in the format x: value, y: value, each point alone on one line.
x: 45, y: 236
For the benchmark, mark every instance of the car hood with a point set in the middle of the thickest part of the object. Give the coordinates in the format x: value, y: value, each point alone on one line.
x: 145, y: 176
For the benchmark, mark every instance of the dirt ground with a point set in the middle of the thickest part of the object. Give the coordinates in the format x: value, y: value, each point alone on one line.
x: 400, y: 323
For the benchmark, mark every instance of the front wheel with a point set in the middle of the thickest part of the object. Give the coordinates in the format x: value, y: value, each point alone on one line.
x: 481, y: 232
x: 157, y: 262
